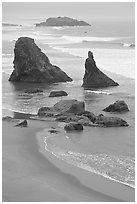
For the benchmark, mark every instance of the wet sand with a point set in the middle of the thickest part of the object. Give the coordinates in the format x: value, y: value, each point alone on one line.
x: 31, y: 174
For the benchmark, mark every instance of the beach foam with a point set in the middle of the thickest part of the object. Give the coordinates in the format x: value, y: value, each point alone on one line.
x: 117, y: 168
x: 76, y: 39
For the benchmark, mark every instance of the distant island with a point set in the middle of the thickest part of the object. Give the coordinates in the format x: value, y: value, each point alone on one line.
x: 62, y: 21
x: 10, y: 24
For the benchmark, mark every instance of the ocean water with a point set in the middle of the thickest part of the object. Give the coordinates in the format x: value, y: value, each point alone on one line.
x: 109, y: 152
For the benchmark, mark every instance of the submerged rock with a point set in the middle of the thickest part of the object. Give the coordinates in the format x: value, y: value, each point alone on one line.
x: 31, y: 91
x: 104, y: 121
x: 62, y: 21
x: 93, y: 77
x: 118, y: 106
x: 32, y: 65
x: 10, y: 119
x: 73, y: 126
x: 57, y: 93
x: 24, y: 123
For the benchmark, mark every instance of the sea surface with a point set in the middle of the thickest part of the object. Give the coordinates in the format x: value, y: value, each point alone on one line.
x: 109, y: 152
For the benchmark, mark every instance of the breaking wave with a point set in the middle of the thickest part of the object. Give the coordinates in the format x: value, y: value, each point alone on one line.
x: 76, y: 39
x: 98, y: 92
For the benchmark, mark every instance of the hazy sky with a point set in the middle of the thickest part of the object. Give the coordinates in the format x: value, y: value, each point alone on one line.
x: 80, y: 10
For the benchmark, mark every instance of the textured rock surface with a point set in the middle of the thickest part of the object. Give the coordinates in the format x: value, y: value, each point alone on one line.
x: 90, y: 115
x: 32, y: 65
x: 62, y: 107
x: 62, y: 21
x: 83, y: 120
x: 69, y: 106
x: 57, y: 93
x: 93, y: 77
x: 73, y: 126
x: 118, y: 106
x: 104, y: 121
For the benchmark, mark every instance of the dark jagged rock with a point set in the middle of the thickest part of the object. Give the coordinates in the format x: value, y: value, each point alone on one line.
x: 104, y: 121
x: 73, y: 126
x: 32, y: 65
x: 93, y: 77
x: 62, y: 21
x: 118, y: 106
x: 24, y: 123
x: 57, y: 93
x: 31, y: 91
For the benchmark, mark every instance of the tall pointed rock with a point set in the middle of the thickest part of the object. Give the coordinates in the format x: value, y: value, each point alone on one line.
x: 93, y: 77
x: 32, y: 65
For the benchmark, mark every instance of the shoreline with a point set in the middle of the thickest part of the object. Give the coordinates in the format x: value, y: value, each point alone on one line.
x: 37, y: 175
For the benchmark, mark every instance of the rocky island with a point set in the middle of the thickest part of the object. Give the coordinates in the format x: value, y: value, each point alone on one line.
x: 93, y: 77
x: 62, y: 21
x: 32, y: 65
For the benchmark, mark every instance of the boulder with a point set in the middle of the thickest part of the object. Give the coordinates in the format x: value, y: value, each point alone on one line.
x: 118, y: 106
x: 62, y: 21
x: 57, y: 93
x: 73, y: 126
x: 24, y: 123
x: 104, y: 121
x: 32, y: 65
x: 93, y: 77
x: 62, y: 108
x: 69, y: 106
x: 31, y: 91
x: 45, y: 111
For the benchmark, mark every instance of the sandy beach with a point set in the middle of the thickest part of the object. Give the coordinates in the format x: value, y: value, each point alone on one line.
x: 32, y: 174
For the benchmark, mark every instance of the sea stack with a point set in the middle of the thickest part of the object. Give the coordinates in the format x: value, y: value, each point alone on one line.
x: 93, y: 77
x: 32, y: 65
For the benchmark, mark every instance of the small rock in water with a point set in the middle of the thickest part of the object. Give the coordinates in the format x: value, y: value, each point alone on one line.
x: 118, y: 106
x: 104, y: 121
x: 73, y: 126
x: 24, y: 123
x: 57, y: 93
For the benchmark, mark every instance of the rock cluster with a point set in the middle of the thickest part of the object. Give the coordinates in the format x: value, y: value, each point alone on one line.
x: 32, y: 65
x: 93, y: 77
x: 73, y: 111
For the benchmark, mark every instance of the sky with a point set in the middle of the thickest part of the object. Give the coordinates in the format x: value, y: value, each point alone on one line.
x: 80, y: 10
